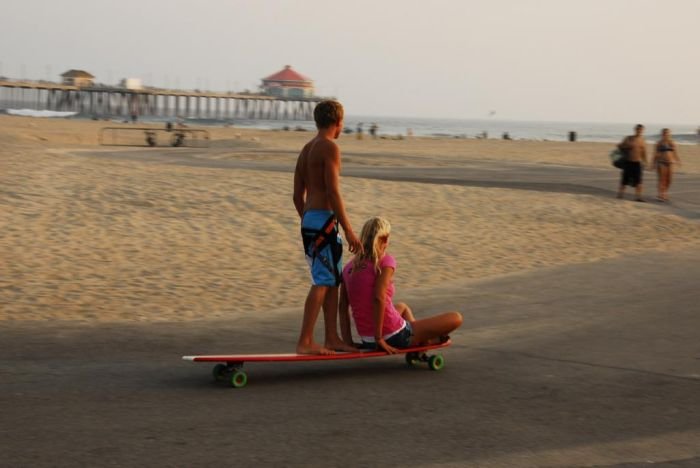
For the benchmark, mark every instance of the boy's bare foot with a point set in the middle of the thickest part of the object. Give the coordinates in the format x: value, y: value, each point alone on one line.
x: 314, y: 348
x: 341, y: 346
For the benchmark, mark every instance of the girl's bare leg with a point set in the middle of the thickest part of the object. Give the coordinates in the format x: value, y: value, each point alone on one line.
x: 431, y: 329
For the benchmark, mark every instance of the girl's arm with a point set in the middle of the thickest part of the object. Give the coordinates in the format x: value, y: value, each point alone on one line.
x: 380, y: 286
x: 344, y: 312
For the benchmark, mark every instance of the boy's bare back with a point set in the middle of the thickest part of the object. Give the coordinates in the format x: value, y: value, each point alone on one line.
x: 316, y: 170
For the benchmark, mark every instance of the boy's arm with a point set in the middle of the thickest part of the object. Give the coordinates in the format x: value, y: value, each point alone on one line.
x: 344, y: 313
x: 299, y: 196
x: 332, y: 179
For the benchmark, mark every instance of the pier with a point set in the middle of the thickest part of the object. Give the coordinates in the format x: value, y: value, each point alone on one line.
x: 101, y: 101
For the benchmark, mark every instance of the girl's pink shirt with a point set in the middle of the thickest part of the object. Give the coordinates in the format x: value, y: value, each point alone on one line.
x: 360, y: 288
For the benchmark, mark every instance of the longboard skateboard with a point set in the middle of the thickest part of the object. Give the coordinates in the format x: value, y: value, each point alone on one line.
x: 230, y: 367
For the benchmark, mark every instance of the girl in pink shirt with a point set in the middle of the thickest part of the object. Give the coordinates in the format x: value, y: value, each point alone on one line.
x: 368, y: 290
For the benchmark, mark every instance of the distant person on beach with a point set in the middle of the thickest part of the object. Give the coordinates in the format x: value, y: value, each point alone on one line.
x: 665, y: 156
x: 635, y: 151
x: 359, y: 131
x: 321, y: 208
x: 373, y: 130
x: 368, y: 289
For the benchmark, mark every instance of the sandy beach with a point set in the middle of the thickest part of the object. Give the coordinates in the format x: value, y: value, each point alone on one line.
x: 96, y: 238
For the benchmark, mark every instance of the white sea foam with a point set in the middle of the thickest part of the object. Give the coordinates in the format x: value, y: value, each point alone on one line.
x: 39, y: 113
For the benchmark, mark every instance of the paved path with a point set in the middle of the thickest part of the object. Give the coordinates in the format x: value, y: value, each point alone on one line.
x: 592, y: 365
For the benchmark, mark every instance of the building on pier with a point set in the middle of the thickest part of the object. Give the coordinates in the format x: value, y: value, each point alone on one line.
x: 288, y: 83
x: 78, y: 78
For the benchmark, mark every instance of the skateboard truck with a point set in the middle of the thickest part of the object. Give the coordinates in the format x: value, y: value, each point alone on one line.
x: 435, y: 362
x: 231, y: 371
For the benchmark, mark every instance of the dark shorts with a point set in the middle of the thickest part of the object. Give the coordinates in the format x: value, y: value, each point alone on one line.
x: 400, y: 340
x: 632, y: 173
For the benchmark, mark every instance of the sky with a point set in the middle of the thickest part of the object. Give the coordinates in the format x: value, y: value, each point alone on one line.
x: 539, y: 60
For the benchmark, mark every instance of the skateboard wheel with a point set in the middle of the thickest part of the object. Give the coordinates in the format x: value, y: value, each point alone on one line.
x: 239, y: 379
x: 411, y: 359
x: 436, y: 362
x: 219, y: 372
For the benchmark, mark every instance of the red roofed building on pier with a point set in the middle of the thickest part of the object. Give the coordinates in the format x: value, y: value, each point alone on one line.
x: 288, y: 83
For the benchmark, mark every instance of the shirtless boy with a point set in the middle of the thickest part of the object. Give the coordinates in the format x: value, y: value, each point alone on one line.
x: 635, y: 149
x: 320, y: 206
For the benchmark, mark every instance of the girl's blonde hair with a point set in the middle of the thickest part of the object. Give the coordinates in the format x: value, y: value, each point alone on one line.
x: 372, y: 231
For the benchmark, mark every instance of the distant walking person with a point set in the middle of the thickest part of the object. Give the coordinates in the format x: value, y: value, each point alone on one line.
x: 665, y: 155
x: 634, y: 149
x: 373, y: 130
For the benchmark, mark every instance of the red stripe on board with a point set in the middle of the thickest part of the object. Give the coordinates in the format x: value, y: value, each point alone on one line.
x: 306, y: 357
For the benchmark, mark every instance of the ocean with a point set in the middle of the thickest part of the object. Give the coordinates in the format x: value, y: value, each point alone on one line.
x: 393, y: 127
x: 494, y: 128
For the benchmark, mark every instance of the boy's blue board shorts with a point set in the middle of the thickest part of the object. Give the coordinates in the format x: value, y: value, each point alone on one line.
x: 323, y: 247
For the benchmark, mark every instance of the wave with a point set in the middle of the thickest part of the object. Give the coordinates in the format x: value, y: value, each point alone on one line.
x: 39, y: 113
x: 687, y: 137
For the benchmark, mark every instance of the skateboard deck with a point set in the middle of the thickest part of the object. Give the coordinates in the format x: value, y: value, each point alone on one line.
x: 230, y: 366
